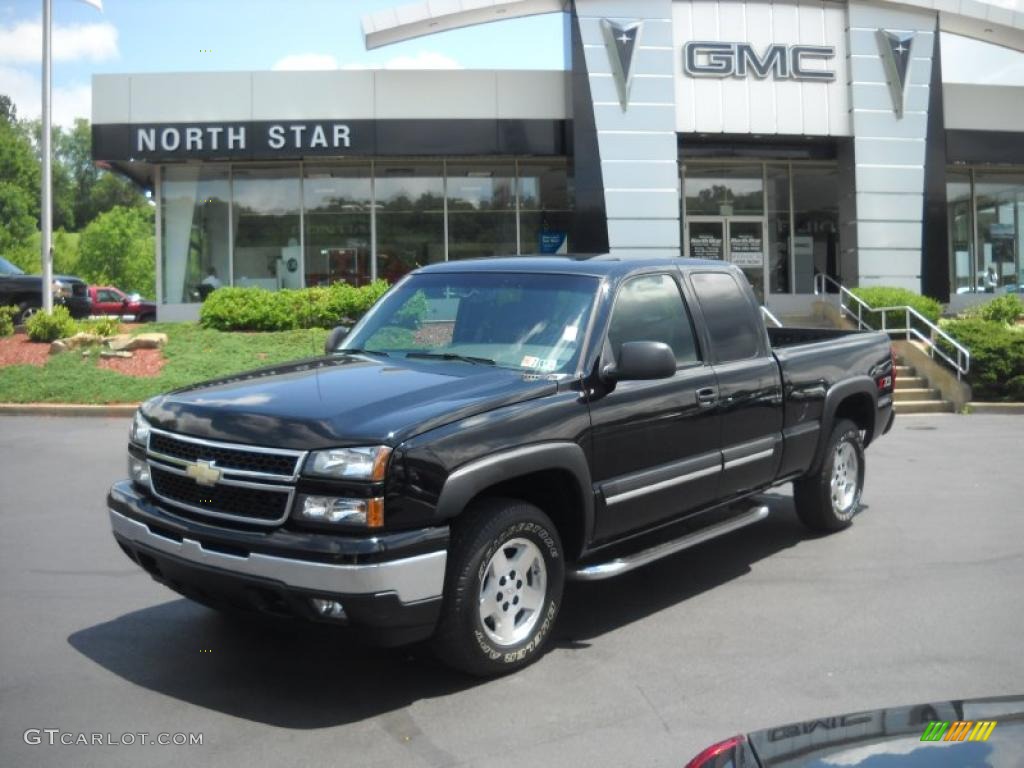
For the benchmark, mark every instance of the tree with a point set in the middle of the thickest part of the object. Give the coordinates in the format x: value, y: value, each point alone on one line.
x: 117, y: 248
x: 8, y: 112
x: 17, y: 224
x: 110, y: 191
x: 18, y: 163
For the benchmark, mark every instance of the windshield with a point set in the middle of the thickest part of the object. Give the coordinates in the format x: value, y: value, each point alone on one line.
x: 525, y: 322
x: 6, y: 268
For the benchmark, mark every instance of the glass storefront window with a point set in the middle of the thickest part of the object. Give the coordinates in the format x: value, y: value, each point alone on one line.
x: 544, y: 207
x: 723, y: 190
x: 815, y: 224
x: 1000, y: 209
x: 410, y: 217
x: 266, y: 221
x: 961, y: 228
x: 336, y: 207
x: 780, y: 267
x: 481, y: 210
x: 194, y: 213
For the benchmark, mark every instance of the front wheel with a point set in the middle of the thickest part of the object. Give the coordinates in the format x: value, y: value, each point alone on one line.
x: 503, y: 589
x: 828, y: 499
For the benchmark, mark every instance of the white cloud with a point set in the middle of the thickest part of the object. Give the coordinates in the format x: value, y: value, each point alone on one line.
x: 24, y: 89
x: 22, y: 43
x: 313, y: 61
x: 306, y: 61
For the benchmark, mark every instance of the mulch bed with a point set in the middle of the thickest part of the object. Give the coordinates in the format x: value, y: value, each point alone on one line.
x: 18, y: 350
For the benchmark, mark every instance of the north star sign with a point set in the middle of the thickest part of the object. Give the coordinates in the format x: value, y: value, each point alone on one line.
x: 241, y: 138
x: 783, y: 62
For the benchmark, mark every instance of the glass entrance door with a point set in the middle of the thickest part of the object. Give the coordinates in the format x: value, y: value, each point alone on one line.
x: 736, y: 239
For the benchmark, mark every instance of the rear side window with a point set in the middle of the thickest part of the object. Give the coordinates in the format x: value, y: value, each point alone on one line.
x: 727, y: 312
x: 650, y: 308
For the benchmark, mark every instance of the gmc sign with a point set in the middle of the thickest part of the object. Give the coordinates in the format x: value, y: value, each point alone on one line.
x: 783, y: 62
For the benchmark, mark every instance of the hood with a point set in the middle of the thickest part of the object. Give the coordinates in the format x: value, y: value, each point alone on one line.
x: 892, y: 737
x: 337, y: 401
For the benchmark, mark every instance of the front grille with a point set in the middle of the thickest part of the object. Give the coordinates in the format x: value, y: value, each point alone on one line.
x: 267, y: 504
x: 279, y: 464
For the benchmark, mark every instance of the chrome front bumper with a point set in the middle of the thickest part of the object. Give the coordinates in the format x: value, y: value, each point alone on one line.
x: 411, y: 579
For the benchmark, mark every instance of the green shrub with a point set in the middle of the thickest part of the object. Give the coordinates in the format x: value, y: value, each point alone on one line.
x: 105, y: 326
x: 1007, y: 308
x: 7, y: 315
x: 47, y: 328
x: 881, y: 296
x: 257, y: 309
x: 997, y: 357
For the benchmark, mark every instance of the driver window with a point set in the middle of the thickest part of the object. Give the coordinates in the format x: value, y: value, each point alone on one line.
x: 650, y: 308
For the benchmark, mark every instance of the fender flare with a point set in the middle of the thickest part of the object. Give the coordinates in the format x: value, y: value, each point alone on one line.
x: 470, y: 479
x: 857, y: 385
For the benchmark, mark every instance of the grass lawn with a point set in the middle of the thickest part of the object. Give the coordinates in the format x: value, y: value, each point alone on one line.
x: 193, y: 354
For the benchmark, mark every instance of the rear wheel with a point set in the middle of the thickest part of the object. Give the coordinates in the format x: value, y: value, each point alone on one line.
x: 828, y: 499
x: 503, y: 588
x: 26, y: 312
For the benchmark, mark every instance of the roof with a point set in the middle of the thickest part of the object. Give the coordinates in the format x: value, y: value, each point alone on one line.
x: 573, y: 264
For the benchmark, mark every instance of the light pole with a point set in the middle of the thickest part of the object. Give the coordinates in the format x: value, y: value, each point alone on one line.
x: 46, y: 197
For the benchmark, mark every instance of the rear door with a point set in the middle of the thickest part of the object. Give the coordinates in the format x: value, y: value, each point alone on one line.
x: 748, y: 377
x: 655, y: 443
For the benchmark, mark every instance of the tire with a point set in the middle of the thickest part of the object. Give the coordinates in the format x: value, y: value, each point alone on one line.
x: 828, y: 499
x: 26, y: 312
x: 502, y: 547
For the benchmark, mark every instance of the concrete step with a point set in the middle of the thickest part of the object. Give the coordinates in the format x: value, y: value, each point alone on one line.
x: 803, y: 321
x: 923, y: 406
x: 905, y: 370
x: 903, y: 395
x: 911, y: 382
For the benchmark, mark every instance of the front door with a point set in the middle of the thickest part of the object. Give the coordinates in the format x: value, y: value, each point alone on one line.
x: 736, y: 239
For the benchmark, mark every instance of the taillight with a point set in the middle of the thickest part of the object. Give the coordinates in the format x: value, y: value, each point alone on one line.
x: 892, y: 356
x: 720, y: 755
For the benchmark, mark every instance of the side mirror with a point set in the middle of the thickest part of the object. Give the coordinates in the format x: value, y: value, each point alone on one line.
x: 335, y: 337
x: 642, y: 360
x: 125, y: 301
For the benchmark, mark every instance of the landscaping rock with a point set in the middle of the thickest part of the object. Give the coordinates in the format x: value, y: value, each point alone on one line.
x: 118, y: 342
x: 58, y: 346
x: 115, y: 353
x: 148, y: 341
x: 82, y: 339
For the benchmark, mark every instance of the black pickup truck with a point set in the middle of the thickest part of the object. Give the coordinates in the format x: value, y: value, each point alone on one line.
x: 489, y: 429
x: 26, y: 292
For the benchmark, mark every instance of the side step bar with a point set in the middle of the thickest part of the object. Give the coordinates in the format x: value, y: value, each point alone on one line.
x: 628, y: 563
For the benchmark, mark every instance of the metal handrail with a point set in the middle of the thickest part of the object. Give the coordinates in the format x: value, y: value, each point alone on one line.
x: 770, y: 317
x: 962, y: 363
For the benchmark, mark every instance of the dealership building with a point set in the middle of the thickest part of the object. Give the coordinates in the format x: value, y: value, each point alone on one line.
x: 876, y: 143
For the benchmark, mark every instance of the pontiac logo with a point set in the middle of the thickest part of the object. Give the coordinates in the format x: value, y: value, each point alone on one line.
x: 203, y: 472
x: 621, y: 41
x: 895, y: 48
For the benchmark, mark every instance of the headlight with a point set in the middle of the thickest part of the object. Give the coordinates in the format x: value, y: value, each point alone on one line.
x: 138, y: 470
x: 61, y: 290
x: 139, y: 432
x: 349, y: 463
x: 346, y: 511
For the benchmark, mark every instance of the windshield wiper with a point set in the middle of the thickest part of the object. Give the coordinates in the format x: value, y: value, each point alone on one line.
x: 452, y: 356
x: 361, y: 351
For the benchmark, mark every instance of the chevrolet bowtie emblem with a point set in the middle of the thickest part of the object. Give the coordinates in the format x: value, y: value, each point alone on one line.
x: 203, y: 472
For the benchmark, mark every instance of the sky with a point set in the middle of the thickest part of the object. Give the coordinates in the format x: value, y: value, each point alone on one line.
x: 217, y: 35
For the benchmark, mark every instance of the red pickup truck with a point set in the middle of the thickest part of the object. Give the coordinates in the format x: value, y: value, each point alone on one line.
x: 108, y: 300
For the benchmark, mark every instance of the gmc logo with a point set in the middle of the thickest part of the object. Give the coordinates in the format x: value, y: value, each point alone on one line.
x: 784, y: 62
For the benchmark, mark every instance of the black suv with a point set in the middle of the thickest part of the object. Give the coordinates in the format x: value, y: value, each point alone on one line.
x: 489, y: 429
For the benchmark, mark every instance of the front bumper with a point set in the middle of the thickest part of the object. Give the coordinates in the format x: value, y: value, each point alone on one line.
x: 389, y: 586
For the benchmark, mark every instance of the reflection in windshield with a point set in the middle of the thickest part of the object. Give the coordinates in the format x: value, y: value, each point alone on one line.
x: 524, y: 322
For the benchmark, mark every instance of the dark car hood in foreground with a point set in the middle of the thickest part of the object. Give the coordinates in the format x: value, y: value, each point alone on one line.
x: 891, y: 738
x: 344, y: 400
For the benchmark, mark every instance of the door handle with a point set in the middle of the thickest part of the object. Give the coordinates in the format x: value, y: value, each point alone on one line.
x: 707, y: 397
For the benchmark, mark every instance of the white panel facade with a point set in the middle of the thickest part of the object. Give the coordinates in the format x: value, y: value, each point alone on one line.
x: 762, y: 105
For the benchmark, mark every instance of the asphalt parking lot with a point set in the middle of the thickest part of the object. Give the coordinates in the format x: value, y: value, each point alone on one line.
x: 920, y: 600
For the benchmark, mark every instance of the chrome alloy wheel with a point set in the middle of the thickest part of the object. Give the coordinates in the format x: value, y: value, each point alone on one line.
x: 845, y: 483
x: 512, y: 592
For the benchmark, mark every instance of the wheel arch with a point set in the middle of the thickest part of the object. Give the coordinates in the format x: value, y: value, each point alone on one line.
x: 552, y: 476
x: 854, y: 399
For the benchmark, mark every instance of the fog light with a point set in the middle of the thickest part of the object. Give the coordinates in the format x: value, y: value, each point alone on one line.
x: 328, y: 609
x: 138, y: 470
x: 335, y: 509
